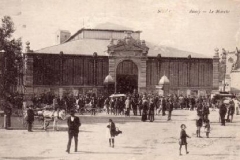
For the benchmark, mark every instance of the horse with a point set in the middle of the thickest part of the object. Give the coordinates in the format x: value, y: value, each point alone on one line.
x: 52, y: 116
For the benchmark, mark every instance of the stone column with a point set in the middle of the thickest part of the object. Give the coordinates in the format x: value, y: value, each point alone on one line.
x: 215, y: 85
x: 112, y: 68
x: 142, y: 85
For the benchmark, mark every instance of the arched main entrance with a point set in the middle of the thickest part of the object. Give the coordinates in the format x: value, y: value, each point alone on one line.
x: 127, y: 77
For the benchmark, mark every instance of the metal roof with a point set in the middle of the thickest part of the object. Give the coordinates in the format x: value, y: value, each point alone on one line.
x: 86, y: 47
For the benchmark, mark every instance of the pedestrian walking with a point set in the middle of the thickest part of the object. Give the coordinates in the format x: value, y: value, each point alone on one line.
x: 145, y: 109
x: 192, y: 103
x: 183, y: 139
x: 231, y: 111
x: 170, y: 109
x: 30, y: 118
x: 111, y: 130
x: 151, y: 110
x: 134, y: 103
x: 117, y: 106
x: 222, y: 112
x: 236, y: 105
x: 112, y: 101
x: 107, y: 105
x: 207, y: 128
x: 140, y: 105
x: 127, y: 106
x: 73, y: 123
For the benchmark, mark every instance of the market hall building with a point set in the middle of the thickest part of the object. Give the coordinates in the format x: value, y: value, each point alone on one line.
x: 91, y: 58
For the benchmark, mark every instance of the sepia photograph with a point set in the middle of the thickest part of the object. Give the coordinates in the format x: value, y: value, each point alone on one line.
x: 119, y: 79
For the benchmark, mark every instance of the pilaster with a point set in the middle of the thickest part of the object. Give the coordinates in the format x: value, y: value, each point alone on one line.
x: 216, y: 70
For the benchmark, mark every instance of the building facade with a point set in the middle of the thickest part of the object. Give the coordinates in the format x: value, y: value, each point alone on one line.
x: 80, y: 64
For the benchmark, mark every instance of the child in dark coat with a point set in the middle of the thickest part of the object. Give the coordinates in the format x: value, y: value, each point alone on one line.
x: 207, y: 128
x: 183, y: 139
x: 199, y: 123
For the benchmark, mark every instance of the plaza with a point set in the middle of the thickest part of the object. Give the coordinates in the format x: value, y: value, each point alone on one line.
x: 140, y: 140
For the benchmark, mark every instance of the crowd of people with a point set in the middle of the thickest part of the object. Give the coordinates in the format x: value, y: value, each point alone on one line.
x: 145, y: 105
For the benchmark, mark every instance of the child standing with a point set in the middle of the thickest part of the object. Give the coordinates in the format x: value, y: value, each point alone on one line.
x: 199, y: 123
x: 207, y: 128
x: 111, y: 132
x: 183, y: 139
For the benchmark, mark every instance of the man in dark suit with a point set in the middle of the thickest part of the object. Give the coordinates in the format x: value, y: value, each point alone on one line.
x: 222, y: 112
x: 73, y: 123
x: 30, y: 118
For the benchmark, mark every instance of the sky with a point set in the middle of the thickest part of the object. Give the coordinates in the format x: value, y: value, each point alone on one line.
x: 191, y: 25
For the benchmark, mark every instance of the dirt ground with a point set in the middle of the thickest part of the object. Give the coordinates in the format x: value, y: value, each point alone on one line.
x: 139, y: 141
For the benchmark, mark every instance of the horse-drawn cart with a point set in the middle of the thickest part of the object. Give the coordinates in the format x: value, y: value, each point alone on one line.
x: 45, y: 116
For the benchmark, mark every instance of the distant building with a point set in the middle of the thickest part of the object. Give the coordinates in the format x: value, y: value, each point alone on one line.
x: 80, y: 63
x: 228, y: 76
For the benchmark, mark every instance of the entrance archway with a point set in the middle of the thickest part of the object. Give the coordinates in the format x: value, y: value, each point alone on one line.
x: 127, y: 77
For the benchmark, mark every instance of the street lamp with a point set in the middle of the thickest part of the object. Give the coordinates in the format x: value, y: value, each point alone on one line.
x: 61, y: 68
x: 189, y: 70
x: 94, y: 67
x: 159, y: 57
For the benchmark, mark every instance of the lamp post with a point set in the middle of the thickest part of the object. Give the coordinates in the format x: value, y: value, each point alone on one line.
x: 61, y: 69
x: 159, y: 56
x: 94, y: 67
x: 189, y: 70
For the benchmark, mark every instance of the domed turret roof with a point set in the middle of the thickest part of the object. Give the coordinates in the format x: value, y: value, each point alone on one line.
x: 164, y: 80
x: 108, y: 79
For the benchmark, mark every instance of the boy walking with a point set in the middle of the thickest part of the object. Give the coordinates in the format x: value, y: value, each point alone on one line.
x: 183, y: 139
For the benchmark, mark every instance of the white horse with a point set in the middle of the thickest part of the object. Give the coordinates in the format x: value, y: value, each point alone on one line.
x: 52, y: 116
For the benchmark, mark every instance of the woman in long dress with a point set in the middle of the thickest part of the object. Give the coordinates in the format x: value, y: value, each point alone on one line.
x: 145, y: 110
x: 127, y: 106
x: 151, y: 111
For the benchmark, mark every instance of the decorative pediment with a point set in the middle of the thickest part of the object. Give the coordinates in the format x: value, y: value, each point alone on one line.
x: 128, y: 45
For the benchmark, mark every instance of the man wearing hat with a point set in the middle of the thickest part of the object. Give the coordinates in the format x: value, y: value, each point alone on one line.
x: 73, y: 123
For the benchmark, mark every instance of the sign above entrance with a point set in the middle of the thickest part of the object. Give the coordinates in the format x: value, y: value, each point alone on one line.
x: 128, y: 47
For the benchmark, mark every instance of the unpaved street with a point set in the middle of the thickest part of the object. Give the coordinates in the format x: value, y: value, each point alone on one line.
x: 139, y: 141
